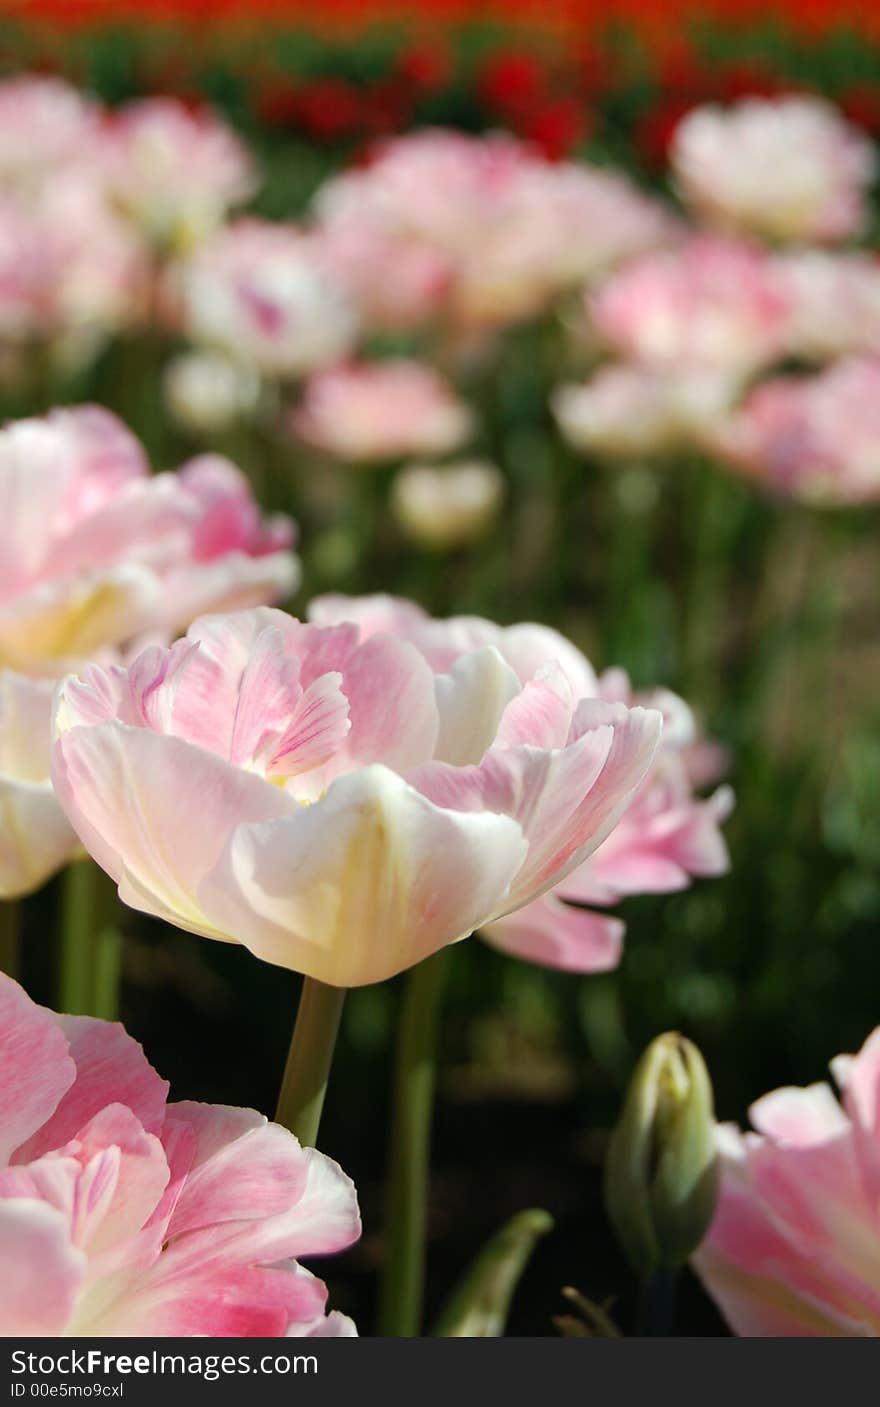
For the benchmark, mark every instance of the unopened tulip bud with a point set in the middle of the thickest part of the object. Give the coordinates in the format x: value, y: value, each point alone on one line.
x: 447, y: 506
x: 660, y: 1173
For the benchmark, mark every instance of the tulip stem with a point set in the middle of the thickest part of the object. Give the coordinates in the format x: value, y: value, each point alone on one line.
x: 10, y: 937
x: 91, y: 943
x: 400, y: 1313
x: 307, y: 1071
x: 656, y: 1312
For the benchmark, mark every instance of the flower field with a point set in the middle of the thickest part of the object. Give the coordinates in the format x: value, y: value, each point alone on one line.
x: 439, y: 476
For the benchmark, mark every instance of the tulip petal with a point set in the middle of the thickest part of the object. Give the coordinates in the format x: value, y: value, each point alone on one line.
x: 36, y: 1066
x: 558, y: 936
x: 365, y: 882
x: 42, y: 1270
x: 156, y: 813
x: 471, y: 700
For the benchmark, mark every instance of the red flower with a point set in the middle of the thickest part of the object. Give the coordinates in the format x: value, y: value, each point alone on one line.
x: 277, y: 104
x: 386, y: 107
x: 749, y: 80
x: 653, y: 132
x: 426, y: 67
x: 557, y: 127
x: 330, y: 108
x: 861, y: 103
x: 512, y: 81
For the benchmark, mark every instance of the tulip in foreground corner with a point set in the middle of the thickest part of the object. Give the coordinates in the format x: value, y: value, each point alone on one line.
x: 121, y: 1214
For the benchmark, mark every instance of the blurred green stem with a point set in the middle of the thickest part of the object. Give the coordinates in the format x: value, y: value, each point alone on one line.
x: 307, y: 1071
x: 400, y: 1312
x: 91, y: 943
x: 656, y: 1312
x: 10, y: 937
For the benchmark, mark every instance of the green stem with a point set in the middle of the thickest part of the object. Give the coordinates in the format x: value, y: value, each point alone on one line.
x: 76, y: 930
x: 400, y: 1314
x: 307, y: 1071
x: 91, y: 943
x: 10, y: 937
x: 656, y: 1313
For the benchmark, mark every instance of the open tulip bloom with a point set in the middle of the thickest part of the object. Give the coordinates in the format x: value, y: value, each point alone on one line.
x: 792, y: 1251
x: 328, y: 800
x: 664, y: 837
x: 121, y: 1214
x: 98, y: 553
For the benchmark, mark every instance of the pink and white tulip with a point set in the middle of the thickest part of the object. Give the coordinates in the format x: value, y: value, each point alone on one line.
x: 513, y: 229
x: 368, y: 412
x: 835, y: 300
x: 124, y: 1215
x: 173, y: 171
x: 664, y: 838
x: 813, y: 438
x: 69, y: 269
x: 359, y: 256
x: 99, y: 552
x: 328, y: 800
x: 45, y: 124
x: 787, y: 168
x: 627, y: 412
x: 261, y: 292
x: 793, y: 1249
x: 714, y: 304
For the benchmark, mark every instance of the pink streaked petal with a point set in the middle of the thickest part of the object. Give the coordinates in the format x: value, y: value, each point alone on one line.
x: 553, y: 934
x: 540, y: 716
x: 110, y: 1068
x: 36, y: 1065
x: 859, y: 1078
x: 566, y: 801
x: 258, y: 1193
x: 177, y: 1301
x: 318, y: 727
x: 799, y: 1117
x: 108, y: 1214
x: 156, y: 812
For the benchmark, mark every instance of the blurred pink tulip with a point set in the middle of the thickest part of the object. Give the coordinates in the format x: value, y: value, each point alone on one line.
x: 513, y: 228
x: 360, y: 255
x: 123, y: 1215
x: 45, y: 124
x: 714, y: 304
x: 99, y: 552
x: 175, y: 172
x: 627, y: 412
x: 263, y: 293
x: 789, y: 168
x: 70, y: 273
x: 666, y: 836
x: 326, y: 800
x: 792, y: 1252
x: 835, y: 300
x: 813, y: 438
x: 374, y: 411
